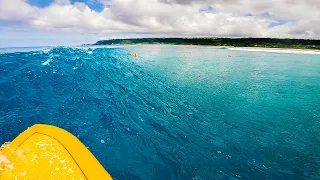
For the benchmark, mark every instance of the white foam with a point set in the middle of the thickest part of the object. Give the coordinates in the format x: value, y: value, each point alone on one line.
x: 46, y: 50
x: 288, y: 51
x: 46, y: 62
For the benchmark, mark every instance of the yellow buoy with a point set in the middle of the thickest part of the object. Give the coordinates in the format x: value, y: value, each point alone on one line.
x: 48, y: 152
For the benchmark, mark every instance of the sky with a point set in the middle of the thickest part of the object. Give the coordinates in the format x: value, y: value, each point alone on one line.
x: 71, y: 22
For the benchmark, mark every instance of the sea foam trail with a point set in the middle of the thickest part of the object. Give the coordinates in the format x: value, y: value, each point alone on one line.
x: 276, y: 50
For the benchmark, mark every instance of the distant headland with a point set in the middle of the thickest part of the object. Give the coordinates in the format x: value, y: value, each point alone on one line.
x: 235, y: 42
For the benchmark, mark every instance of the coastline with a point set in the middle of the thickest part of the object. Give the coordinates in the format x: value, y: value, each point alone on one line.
x: 239, y: 48
x: 279, y: 50
x: 231, y: 48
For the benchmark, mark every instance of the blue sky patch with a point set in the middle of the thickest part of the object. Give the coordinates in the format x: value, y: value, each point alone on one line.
x: 93, y: 4
x: 40, y: 3
x: 209, y: 9
x: 266, y: 15
x: 278, y: 23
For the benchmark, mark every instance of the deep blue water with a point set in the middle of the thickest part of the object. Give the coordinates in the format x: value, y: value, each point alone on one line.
x: 176, y: 112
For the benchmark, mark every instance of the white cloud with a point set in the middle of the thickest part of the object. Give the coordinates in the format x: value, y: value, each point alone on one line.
x: 17, y: 10
x: 62, y: 2
x: 105, y: 3
x: 180, y: 17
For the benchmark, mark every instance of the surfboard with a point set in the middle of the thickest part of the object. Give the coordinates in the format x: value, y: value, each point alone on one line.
x: 49, y: 152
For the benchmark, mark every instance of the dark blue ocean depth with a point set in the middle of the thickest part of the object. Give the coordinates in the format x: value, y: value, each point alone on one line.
x: 176, y: 112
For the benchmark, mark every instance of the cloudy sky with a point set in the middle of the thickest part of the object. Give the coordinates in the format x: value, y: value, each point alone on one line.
x: 64, y: 22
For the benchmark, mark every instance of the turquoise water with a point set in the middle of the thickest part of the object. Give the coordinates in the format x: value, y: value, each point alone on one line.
x: 176, y: 112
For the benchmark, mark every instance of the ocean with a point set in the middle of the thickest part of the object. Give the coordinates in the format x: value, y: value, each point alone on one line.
x: 176, y: 112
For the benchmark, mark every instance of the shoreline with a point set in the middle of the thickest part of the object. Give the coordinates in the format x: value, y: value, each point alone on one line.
x: 231, y: 48
x: 239, y: 48
x: 280, y: 50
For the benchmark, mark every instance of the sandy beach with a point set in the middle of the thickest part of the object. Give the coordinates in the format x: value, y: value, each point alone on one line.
x: 279, y: 50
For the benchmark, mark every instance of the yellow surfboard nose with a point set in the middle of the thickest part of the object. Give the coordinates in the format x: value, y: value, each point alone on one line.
x: 48, y: 152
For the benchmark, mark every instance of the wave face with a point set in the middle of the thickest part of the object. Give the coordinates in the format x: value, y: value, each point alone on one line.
x: 176, y: 112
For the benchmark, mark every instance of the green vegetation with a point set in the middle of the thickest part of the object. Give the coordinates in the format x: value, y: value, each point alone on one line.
x: 238, y: 42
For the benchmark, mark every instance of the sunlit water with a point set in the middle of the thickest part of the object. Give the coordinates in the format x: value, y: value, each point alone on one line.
x: 176, y: 112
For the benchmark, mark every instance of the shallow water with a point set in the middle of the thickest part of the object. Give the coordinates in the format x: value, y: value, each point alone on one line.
x: 176, y: 112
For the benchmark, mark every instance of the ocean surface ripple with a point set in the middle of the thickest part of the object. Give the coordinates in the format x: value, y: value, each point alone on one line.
x: 176, y: 112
